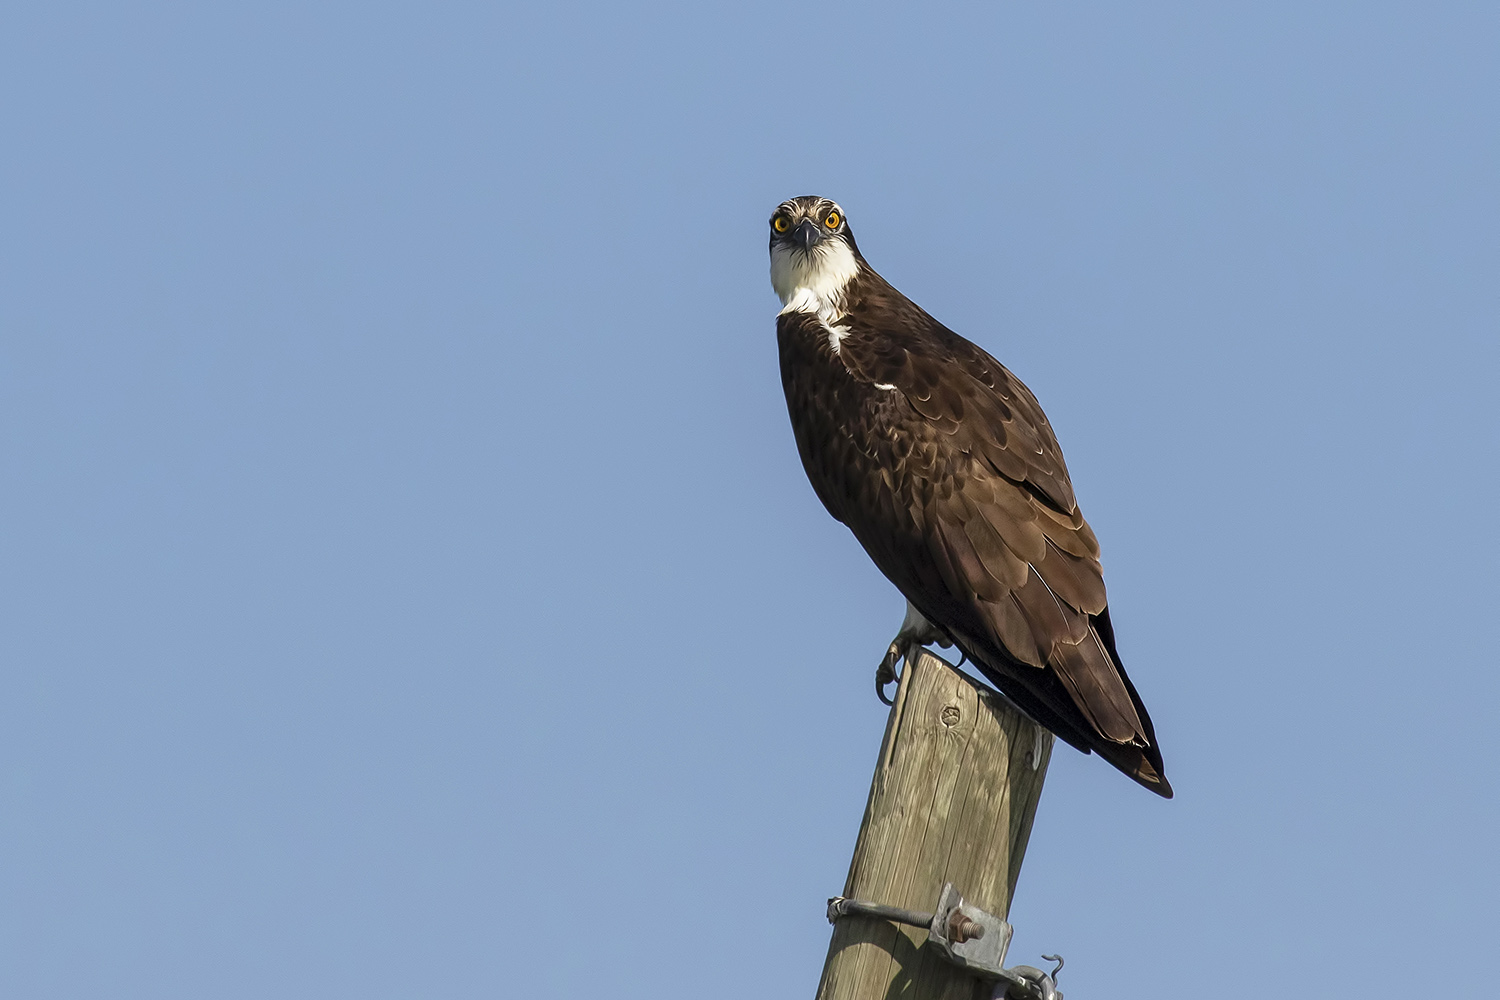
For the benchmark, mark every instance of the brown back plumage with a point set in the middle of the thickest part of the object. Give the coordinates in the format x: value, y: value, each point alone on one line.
x: 945, y: 468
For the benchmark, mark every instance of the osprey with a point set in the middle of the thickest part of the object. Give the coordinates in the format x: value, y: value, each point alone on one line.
x: 944, y: 467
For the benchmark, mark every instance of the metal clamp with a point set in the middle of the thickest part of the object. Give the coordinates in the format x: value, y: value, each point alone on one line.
x: 968, y: 937
x: 1033, y: 984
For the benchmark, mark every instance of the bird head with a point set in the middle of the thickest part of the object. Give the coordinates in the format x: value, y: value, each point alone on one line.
x: 813, y: 255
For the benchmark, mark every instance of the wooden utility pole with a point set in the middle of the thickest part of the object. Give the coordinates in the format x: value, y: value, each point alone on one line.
x: 954, y: 795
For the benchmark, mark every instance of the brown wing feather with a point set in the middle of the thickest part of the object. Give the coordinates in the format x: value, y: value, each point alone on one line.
x: 954, y: 483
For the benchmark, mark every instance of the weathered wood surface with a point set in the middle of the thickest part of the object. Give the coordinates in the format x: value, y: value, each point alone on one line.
x: 955, y: 792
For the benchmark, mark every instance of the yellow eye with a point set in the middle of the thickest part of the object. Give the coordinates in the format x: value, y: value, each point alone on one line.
x: 832, y: 222
x: 781, y: 224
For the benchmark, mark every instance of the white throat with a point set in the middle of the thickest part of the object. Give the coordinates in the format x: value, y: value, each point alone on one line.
x: 813, y: 281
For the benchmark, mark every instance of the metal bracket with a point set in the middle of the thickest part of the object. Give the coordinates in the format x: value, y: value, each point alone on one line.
x: 968, y: 937
x: 1027, y: 982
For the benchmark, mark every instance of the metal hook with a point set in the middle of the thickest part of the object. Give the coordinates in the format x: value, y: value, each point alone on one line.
x: 1059, y: 960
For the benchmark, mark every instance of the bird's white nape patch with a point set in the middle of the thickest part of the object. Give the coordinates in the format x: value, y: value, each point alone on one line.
x: 813, y: 280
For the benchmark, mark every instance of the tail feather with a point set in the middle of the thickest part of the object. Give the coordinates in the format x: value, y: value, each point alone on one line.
x: 1043, y: 695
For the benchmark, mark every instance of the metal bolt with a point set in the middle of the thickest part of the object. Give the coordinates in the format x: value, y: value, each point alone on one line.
x: 961, y: 929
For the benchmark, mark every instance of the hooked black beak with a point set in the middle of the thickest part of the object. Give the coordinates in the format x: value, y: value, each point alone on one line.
x: 807, y: 234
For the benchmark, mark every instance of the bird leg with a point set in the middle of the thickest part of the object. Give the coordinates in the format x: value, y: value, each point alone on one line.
x: 886, y: 672
x: 915, y: 632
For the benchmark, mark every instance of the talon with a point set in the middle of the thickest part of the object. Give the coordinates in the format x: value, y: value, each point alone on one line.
x: 886, y: 673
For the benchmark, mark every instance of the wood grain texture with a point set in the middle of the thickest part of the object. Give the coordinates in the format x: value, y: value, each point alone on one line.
x: 953, y: 799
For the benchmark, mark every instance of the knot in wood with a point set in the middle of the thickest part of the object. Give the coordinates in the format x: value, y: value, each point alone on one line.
x: 950, y: 715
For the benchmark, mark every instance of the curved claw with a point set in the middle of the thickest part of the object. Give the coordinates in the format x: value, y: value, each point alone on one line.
x: 885, y: 674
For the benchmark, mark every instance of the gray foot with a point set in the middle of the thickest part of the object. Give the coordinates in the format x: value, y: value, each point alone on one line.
x: 885, y: 674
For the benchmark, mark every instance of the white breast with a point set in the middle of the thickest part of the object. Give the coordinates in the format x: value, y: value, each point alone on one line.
x: 813, y: 281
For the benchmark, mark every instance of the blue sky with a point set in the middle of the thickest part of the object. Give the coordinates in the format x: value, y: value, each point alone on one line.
x: 405, y: 545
